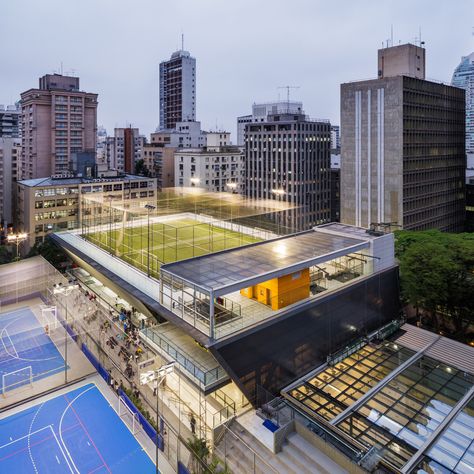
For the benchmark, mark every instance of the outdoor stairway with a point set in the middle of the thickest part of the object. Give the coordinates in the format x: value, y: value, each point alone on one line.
x: 298, y: 456
x: 307, y: 457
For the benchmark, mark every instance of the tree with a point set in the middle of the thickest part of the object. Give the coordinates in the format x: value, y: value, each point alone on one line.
x: 437, y: 274
x: 51, y: 252
x: 5, y: 255
x: 141, y: 169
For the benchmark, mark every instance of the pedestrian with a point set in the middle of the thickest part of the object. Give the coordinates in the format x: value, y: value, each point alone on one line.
x: 155, y: 387
x: 192, y: 422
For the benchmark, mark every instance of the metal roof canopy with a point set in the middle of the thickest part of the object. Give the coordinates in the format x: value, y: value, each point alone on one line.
x: 230, y: 270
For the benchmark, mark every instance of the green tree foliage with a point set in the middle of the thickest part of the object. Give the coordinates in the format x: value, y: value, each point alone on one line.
x: 141, y: 169
x: 437, y: 273
x: 51, y: 252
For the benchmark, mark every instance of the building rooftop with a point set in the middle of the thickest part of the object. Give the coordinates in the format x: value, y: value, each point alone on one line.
x: 410, y: 398
x: 51, y: 181
x: 233, y: 269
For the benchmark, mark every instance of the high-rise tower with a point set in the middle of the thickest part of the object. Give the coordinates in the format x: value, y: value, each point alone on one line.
x: 58, y: 120
x: 177, y: 90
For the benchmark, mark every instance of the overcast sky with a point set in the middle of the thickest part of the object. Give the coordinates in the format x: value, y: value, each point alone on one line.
x: 245, y: 49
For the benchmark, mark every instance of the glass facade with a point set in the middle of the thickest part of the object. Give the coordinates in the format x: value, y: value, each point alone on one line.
x: 399, y: 418
x: 331, y: 391
x: 453, y: 451
x: 276, y: 353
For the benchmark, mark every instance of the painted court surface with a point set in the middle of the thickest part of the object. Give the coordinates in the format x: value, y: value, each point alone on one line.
x: 77, y: 432
x: 171, y: 241
x: 26, y: 351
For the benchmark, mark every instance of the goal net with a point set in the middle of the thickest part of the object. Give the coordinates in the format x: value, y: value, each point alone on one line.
x: 129, y: 417
x: 16, y: 378
x: 49, y: 318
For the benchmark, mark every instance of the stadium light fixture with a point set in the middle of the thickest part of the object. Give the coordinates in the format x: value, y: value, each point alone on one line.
x: 17, y: 239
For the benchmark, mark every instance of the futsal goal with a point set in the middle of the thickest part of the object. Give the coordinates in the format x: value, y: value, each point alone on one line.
x: 128, y: 416
x: 49, y: 317
x: 17, y: 378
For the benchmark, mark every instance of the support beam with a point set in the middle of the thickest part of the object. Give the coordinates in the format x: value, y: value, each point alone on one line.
x: 356, y: 405
x: 416, y: 458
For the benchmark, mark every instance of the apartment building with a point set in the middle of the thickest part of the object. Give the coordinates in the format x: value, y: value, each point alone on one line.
x: 58, y: 120
x: 177, y: 89
x: 217, y: 167
x: 10, y: 121
x: 10, y: 159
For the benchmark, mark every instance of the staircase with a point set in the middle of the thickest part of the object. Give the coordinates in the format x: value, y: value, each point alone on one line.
x: 246, y: 454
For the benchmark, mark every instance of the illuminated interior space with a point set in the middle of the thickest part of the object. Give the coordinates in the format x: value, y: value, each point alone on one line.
x: 226, y: 292
x: 408, y: 401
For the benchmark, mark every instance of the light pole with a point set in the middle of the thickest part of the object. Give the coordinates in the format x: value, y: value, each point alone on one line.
x: 149, y: 208
x: 17, y: 239
x: 193, y: 182
x: 157, y: 376
x: 110, y: 197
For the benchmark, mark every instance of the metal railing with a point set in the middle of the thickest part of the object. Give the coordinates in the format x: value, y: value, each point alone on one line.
x: 191, y: 365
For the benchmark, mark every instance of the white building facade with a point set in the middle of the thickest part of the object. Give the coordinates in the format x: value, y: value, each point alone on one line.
x: 219, y: 167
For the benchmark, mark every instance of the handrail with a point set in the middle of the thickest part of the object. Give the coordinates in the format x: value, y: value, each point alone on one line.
x: 249, y: 448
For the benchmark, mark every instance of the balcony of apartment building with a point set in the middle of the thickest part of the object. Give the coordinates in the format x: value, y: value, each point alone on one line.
x: 227, y: 292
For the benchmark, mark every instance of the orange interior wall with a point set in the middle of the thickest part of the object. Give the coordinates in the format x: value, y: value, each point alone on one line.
x: 280, y: 292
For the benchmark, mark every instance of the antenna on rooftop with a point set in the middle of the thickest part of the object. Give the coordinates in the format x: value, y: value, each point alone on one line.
x: 391, y: 34
x: 288, y: 95
x: 182, y: 41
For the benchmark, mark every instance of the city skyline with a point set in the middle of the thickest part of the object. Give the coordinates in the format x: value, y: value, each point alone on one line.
x: 268, y: 57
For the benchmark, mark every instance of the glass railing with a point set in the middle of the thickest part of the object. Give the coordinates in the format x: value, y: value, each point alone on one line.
x: 205, y: 375
x: 126, y: 272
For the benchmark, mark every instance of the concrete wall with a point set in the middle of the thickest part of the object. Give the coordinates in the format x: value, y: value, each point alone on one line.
x: 372, y: 152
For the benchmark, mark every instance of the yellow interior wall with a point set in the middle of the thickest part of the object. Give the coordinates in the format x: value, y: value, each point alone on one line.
x: 283, y: 291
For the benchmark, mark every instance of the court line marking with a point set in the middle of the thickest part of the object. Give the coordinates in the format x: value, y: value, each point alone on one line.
x: 24, y: 358
x: 61, y: 424
x: 4, y: 330
x: 29, y: 435
x: 25, y: 436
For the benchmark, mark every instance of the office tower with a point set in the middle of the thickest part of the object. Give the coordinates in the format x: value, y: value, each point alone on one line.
x: 463, y: 77
x: 260, y: 113
x: 58, y: 119
x: 216, y: 167
x: 10, y: 121
x: 10, y: 153
x: 177, y: 90
x: 127, y: 148
x: 335, y: 139
x: 287, y: 157
x: 403, y: 153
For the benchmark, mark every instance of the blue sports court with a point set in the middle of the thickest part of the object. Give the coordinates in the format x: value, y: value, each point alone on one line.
x: 77, y: 432
x: 26, y: 351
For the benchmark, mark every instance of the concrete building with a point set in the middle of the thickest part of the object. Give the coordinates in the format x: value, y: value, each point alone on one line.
x: 10, y: 159
x: 260, y: 113
x: 217, y: 167
x: 127, y: 149
x: 335, y: 139
x: 184, y: 135
x: 287, y: 158
x: 403, y: 153
x: 47, y: 205
x: 335, y: 187
x: 58, y: 119
x: 402, y: 60
x: 177, y: 90
x: 10, y: 121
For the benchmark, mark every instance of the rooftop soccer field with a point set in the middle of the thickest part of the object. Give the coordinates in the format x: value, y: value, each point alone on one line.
x: 167, y: 241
